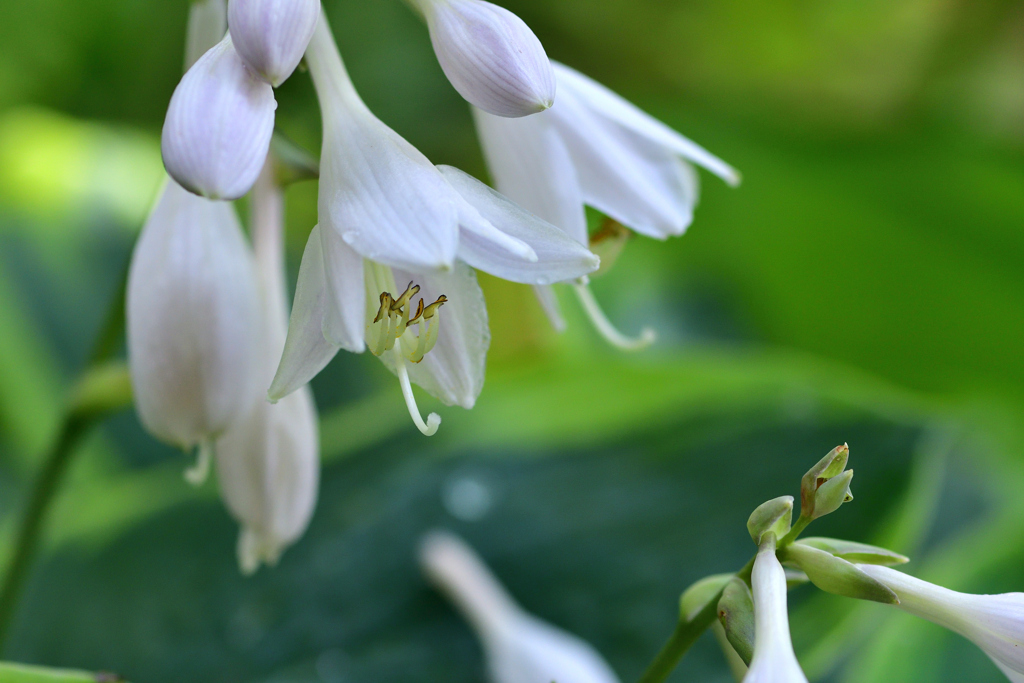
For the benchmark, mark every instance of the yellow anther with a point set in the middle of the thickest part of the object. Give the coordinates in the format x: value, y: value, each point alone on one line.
x: 400, y: 303
x: 385, y: 306
x: 428, y: 312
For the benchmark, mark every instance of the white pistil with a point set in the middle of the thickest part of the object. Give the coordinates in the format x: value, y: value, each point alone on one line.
x: 200, y: 472
x: 429, y: 428
x: 605, y: 327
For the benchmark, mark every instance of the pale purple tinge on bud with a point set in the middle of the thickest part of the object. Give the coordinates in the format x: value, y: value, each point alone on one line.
x: 520, y: 648
x: 268, y: 463
x: 995, y: 623
x: 490, y: 55
x: 218, y: 125
x: 774, y: 660
x: 193, y: 319
x: 271, y: 35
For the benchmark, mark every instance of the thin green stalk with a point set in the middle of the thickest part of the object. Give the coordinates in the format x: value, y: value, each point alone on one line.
x: 795, y: 531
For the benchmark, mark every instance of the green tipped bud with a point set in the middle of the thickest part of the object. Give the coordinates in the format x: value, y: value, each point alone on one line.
x: 736, y: 613
x: 832, y: 494
x: 828, y: 467
x: 835, y: 575
x: 696, y: 597
x: 776, y: 516
x: 859, y: 553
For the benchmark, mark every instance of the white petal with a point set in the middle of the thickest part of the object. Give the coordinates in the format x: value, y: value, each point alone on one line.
x: 640, y: 184
x: 272, y: 35
x: 453, y: 371
x: 609, y: 105
x: 193, y: 319
x: 549, y: 304
x: 558, y: 256
x: 531, y: 166
x: 1013, y: 676
x: 306, y: 351
x: 774, y: 660
x: 218, y: 126
x: 377, y: 192
x: 491, y: 56
x: 345, y: 317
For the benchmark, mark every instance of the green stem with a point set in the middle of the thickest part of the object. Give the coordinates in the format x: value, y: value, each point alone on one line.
x: 795, y: 531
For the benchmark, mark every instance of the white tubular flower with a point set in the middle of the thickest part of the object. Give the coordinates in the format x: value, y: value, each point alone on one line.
x: 340, y: 301
x: 193, y: 321
x: 268, y: 463
x: 490, y: 55
x: 379, y: 194
x: 595, y: 148
x: 218, y: 126
x: 272, y: 35
x: 995, y: 623
x: 774, y: 660
x: 519, y: 647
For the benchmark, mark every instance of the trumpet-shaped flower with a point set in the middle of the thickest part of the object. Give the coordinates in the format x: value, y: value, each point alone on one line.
x: 995, y: 623
x: 520, y: 648
x: 490, y: 56
x: 595, y: 148
x: 774, y: 660
x: 381, y: 196
x: 268, y: 462
x: 218, y: 125
x: 193, y: 321
x: 272, y: 35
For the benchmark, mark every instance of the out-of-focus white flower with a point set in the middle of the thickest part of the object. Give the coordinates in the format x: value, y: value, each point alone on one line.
x: 520, y: 648
x: 207, y: 22
x: 272, y: 35
x: 218, y: 125
x: 774, y: 660
x: 595, y: 148
x: 995, y: 623
x: 268, y: 463
x: 490, y: 55
x: 379, y: 194
x: 193, y: 321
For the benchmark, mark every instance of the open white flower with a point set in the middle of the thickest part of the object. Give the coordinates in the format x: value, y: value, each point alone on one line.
x: 268, y: 462
x: 379, y: 194
x: 490, y: 56
x: 995, y: 623
x: 272, y: 35
x: 218, y: 125
x: 520, y: 648
x: 774, y: 660
x: 595, y: 148
x: 193, y: 321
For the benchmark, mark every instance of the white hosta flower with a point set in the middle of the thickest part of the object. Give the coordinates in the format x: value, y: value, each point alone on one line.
x: 520, y: 648
x: 490, y: 55
x: 774, y: 660
x: 268, y: 463
x: 380, y: 195
x: 995, y: 623
x: 218, y: 126
x: 272, y: 35
x: 595, y: 148
x: 339, y: 302
x: 193, y: 320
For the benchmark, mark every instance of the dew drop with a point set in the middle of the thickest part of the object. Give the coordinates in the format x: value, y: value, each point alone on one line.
x: 349, y: 237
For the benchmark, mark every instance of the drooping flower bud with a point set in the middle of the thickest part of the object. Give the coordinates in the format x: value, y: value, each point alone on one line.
x: 218, y: 126
x: 520, y: 648
x: 490, y: 55
x: 272, y: 35
x: 193, y: 319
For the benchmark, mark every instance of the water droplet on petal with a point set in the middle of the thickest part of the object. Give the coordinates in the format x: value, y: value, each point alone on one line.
x: 349, y: 237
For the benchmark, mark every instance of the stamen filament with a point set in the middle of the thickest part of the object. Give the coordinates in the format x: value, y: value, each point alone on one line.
x: 433, y: 420
x: 200, y: 471
x: 605, y: 327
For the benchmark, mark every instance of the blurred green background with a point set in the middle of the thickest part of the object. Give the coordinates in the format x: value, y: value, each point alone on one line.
x: 864, y: 284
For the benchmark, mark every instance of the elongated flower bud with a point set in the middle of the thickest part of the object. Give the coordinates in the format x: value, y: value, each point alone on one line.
x: 218, y: 126
x: 491, y: 56
x: 774, y: 660
x: 193, y: 320
x: 272, y: 35
x: 520, y: 648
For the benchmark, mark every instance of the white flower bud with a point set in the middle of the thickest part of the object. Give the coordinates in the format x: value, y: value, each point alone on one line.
x: 272, y: 35
x: 491, y: 56
x: 774, y: 660
x: 193, y: 319
x: 218, y: 126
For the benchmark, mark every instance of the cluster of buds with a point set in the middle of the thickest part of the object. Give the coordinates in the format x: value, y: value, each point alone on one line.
x: 751, y: 605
